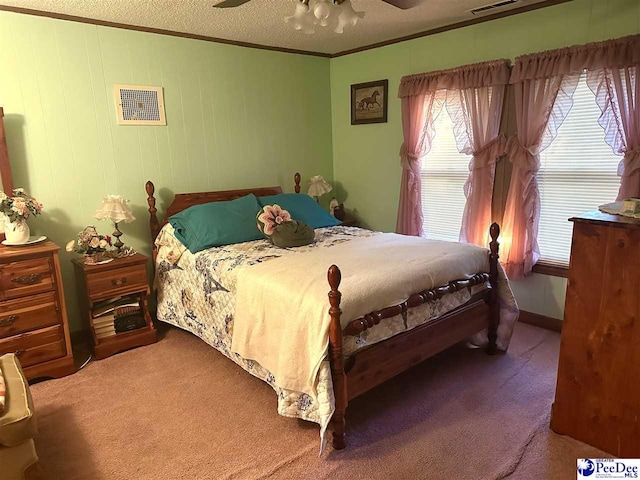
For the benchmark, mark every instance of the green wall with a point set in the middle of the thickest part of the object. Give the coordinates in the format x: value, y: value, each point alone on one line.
x: 365, y: 157
x: 236, y: 117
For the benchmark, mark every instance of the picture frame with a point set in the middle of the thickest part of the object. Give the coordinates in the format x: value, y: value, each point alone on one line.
x: 369, y: 102
x: 139, y: 105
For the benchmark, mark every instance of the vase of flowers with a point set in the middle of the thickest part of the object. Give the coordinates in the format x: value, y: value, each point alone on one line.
x: 17, y: 209
x: 94, y: 246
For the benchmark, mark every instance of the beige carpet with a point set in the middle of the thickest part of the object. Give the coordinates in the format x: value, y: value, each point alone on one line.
x: 180, y: 410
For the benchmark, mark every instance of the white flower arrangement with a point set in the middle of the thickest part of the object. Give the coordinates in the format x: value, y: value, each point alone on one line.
x: 19, y: 206
x: 89, y: 242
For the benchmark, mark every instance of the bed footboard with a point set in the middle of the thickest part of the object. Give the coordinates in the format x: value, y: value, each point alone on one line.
x: 390, y: 357
x: 337, y: 359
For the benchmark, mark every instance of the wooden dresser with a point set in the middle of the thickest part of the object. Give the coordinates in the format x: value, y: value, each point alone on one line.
x: 598, y: 390
x: 33, y: 315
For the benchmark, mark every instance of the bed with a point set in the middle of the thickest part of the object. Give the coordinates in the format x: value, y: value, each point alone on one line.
x: 205, y: 293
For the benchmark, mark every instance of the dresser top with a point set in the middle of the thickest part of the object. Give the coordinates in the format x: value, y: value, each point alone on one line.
x: 9, y: 253
x: 136, y: 259
x: 597, y: 217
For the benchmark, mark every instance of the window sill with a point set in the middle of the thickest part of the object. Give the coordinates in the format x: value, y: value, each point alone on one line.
x: 551, y: 268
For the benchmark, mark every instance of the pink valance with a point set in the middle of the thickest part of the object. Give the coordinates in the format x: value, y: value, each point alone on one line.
x: 485, y: 74
x: 623, y: 51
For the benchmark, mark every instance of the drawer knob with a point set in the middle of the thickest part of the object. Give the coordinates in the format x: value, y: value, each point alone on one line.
x: 19, y: 353
x: 27, y: 279
x: 7, y: 322
x: 115, y: 282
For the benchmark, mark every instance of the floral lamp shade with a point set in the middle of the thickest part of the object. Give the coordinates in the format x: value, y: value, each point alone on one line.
x: 116, y: 209
x: 318, y: 186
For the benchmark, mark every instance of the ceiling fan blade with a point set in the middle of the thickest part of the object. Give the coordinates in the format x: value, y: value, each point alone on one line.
x: 230, y: 3
x: 404, y: 4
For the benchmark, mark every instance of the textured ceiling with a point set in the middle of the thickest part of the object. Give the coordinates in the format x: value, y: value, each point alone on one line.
x: 261, y: 21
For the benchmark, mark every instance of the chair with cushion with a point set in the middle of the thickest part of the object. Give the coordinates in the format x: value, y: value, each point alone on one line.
x: 17, y: 422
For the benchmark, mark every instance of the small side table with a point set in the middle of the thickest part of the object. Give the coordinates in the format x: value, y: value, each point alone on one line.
x: 119, y: 278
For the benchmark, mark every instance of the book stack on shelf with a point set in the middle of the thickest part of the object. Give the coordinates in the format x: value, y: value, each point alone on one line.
x: 117, y: 315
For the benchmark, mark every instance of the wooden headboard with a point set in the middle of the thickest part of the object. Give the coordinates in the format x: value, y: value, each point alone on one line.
x: 182, y: 201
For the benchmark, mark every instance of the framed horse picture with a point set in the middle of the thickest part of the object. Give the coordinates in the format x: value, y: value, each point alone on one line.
x: 369, y: 102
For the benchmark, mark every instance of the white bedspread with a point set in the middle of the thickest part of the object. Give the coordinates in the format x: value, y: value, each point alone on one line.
x: 281, y: 316
x: 198, y: 293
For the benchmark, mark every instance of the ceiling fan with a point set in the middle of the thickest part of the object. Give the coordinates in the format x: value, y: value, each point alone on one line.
x: 335, y: 13
x: 403, y: 4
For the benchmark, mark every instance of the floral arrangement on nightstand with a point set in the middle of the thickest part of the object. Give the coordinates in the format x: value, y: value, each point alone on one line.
x: 96, y: 248
x: 92, y: 245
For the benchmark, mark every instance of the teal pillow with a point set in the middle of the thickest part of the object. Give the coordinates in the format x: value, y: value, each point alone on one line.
x: 217, y: 223
x: 302, y: 208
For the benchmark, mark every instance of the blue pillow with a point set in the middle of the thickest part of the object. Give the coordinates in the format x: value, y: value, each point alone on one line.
x: 217, y: 223
x: 302, y: 208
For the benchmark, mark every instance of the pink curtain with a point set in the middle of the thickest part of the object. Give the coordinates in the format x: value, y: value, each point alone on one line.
x: 474, y: 96
x: 618, y: 52
x: 418, y: 114
x: 617, y: 93
x: 484, y: 74
x: 476, y: 114
x: 541, y: 107
x: 544, y: 86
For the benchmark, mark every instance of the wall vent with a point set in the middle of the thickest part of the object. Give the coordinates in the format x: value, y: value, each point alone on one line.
x: 492, y: 6
x: 139, y: 105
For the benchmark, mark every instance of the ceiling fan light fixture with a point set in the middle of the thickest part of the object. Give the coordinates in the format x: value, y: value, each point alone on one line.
x: 302, y: 18
x: 347, y: 16
x: 322, y: 11
x: 326, y: 13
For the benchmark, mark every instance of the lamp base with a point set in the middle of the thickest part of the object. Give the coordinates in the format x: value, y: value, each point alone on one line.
x: 117, y: 233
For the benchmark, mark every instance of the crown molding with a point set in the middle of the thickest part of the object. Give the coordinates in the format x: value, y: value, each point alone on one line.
x: 453, y: 26
x: 159, y: 31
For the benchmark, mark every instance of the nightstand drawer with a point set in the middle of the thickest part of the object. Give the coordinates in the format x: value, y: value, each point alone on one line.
x: 26, y: 277
x: 117, y: 282
x: 30, y: 313
x: 36, y: 347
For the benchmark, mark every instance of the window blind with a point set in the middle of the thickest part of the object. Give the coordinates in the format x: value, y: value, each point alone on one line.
x: 444, y: 173
x: 578, y: 173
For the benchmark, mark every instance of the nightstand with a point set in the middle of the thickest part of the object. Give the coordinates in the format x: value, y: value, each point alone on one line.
x: 33, y: 315
x: 121, y: 278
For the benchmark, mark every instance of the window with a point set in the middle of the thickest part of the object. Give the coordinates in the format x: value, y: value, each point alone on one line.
x: 578, y: 173
x: 444, y: 173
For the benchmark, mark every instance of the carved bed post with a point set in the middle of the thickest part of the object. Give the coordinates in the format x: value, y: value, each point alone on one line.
x: 336, y: 359
x: 494, y: 302
x: 296, y: 178
x: 154, y: 224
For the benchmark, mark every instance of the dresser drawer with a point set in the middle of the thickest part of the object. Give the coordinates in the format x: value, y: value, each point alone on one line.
x: 26, y: 277
x: 29, y: 313
x: 36, y: 347
x: 117, y: 282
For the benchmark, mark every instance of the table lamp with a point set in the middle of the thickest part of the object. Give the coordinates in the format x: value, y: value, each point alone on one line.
x: 115, y: 208
x: 318, y: 186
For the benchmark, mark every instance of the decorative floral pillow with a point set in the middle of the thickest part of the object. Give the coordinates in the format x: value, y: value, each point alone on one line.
x: 270, y: 217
